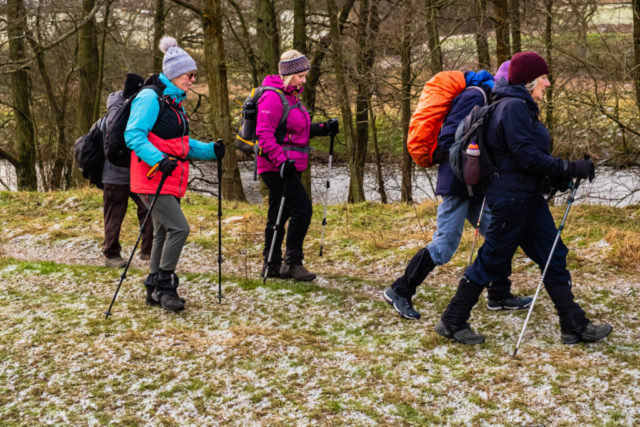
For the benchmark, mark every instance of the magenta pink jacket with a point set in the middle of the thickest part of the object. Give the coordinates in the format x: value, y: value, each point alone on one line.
x: 298, y: 128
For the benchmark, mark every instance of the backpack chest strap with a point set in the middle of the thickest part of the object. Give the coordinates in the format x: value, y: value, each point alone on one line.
x: 307, y: 150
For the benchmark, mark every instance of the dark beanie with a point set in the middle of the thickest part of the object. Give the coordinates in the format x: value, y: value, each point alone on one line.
x: 132, y: 85
x: 525, y: 67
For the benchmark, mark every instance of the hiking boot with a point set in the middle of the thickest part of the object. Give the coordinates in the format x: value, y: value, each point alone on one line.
x: 402, y: 305
x: 145, y: 257
x: 298, y: 272
x: 591, y: 333
x: 272, y: 270
x: 166, y: 292
x: 511, y: 303
x: 118, y: 262
x: 464, y: 335
x: 150, y: 285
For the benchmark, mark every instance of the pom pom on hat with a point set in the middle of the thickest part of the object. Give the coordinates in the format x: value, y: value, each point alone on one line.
x: 166, y: 43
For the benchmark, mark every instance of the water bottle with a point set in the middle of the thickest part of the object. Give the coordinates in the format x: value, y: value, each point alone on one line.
x: 472, y: 167
x: 248, y: 122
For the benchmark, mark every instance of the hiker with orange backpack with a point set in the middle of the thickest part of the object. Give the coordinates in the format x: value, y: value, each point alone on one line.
x: 431, y: 134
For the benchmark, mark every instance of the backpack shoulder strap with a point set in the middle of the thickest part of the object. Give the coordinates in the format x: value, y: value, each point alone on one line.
x: 285, y: 104
x: 484, y: 94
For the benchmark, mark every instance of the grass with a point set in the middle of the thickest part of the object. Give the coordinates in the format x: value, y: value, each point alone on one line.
x: 283, y: 353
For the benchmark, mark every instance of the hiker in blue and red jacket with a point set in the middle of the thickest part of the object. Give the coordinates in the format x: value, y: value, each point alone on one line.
x: 160, y: 140
x: 519, y: 145
x: 284, y: 162
x: 456, y: 207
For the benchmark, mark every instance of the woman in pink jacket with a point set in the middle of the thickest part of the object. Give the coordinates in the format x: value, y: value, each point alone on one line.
x: 285, y: 155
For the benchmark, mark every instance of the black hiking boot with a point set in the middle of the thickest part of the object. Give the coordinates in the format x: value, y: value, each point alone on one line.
x: 591, y: 333
x: 272, y: 269
x: 464, y: 335
x: 150, y: 285
x: 296, y: 271
x: 402, y: 305
x: 511, y: 303
x: 166, y: 292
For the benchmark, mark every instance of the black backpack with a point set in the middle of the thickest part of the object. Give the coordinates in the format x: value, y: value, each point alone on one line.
x: 89, y: 153
x: 473, y: 129
x: 115, y: 147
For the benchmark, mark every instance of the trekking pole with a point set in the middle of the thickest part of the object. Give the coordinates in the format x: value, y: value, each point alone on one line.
x: 326, y: 193
x: 275, y: 233
x: 574, y: 189
x: 144, y: 223
x: 220, y: 229
x: 475, y: 238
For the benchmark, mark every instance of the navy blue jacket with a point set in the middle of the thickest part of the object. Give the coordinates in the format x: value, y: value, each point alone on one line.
x: 519, y: 145
x: 448, y: 184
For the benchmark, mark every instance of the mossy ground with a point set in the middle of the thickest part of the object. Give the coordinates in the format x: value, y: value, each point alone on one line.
x: 283, y: 353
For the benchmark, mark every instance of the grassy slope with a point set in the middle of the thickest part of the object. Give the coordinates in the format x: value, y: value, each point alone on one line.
x: 293, y: 354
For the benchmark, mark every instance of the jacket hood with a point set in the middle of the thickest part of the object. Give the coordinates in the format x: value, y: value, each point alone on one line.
x: 277, y: 82
x: 172, y: 90
x: 515, y: 91
x: 115, y: 100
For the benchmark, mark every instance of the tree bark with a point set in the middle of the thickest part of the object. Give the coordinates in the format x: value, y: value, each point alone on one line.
x: 636, y: 47
x: 482, y: 44
x: 268, y: 38
x: 219, y: 110
x: 366, y: 41
x: 103, y: 43
x: 548, y: 40
x: 88, y: 70
x: 433, y: 36
x: 379, y: 177
x: 24, y: 159
x: 501, y: 17
x: 158, y: 33
x: 516, y: 32
x: 405, y: 101
x: 246, y: 44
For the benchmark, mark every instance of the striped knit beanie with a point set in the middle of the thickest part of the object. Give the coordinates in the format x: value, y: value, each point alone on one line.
x: 294, y: 66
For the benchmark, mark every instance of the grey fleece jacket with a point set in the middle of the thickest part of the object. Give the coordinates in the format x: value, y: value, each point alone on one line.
x: 113, y: 174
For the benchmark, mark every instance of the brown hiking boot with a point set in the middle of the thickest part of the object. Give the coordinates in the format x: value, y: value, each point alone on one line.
x: 298, y: 272
x: 272, y: 270
x: 118, y: 262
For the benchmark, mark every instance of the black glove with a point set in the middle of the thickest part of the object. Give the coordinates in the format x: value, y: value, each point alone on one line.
x: 287, y: 169
x: 333, y: 126
x: 167, y: 165
x: 219, y: 150
x: 582, y: 169
x: 560, y: 184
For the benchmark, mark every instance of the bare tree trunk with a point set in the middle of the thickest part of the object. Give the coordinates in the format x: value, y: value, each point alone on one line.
x: 501, y: 16
x: 516, y: 33
x: 433, y: 36
x: 246, y: 44
x: 405, y: 101
x: 103, y: 42
x: 158, y: 33
x: 88, y: 69
x: 268, y: 38
x: 219, y: 97
x: 366, y: 42
x: 636, y: 47
x: 24, y: 159
x: 379, y: 177
x: 548, y: 41
x: 482, y: 44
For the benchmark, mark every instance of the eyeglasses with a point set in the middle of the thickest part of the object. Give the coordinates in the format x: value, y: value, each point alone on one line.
x: 192, y: 76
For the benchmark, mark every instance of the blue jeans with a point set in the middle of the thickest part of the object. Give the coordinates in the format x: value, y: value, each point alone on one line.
x: 452, y: 213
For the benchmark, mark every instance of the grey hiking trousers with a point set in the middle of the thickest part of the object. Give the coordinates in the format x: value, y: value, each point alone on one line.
x: 170, y: 232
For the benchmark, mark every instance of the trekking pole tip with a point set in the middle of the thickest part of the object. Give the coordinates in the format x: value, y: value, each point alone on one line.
x: 107, y: 314
x: 320, y: 251
x: 515, y: 352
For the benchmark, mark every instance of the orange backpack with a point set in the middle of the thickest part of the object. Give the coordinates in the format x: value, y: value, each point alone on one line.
x: 433, y: 107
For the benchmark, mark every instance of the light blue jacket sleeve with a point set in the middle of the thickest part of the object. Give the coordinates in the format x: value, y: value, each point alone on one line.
x: 144, y: 113
x: 199, y: 150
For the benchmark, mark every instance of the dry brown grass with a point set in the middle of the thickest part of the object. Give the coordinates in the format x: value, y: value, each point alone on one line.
x: 625, y: 248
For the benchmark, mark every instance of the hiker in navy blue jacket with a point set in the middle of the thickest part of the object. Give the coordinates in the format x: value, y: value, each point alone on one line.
x: 519, y: 145
x: 457, y: 205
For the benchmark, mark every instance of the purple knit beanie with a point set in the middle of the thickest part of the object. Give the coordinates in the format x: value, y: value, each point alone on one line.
x: 294, y: 66
x: 503, y: 72
x: 525, y: 67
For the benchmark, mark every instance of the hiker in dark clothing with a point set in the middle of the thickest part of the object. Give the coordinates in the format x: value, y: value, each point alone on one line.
x: 519, y: 145
x: 117, y: 189
x: 456, y: 207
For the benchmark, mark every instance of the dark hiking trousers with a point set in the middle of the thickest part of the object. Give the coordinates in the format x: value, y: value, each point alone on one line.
x: 297, y: 210
x: 171, y: 231
x: 526, y: 223
x: 115, y: 201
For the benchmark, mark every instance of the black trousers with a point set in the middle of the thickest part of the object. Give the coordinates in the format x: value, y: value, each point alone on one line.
x: 115, y: 200
x: 526, y: 223
x: 297, y: 210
